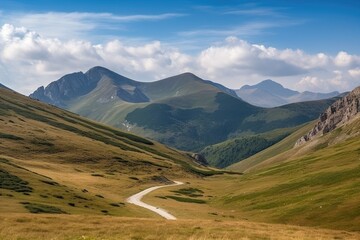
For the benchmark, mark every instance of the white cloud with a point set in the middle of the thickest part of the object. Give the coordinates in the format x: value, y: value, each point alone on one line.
x: 29, y: 60
x: 355, y: 73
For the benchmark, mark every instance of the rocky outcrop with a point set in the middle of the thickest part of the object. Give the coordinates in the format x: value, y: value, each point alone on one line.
x: 199, y: 159
x: 337, y: 114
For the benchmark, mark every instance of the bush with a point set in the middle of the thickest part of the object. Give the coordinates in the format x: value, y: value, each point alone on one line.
x: 42, y: 208
x: 12, y: 182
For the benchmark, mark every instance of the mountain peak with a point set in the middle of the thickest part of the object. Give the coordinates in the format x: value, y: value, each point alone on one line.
x: 98, y: 69
x: 272, y: 87
x: 269, y: 82
x: 269, y: 93
x: 185, y: 75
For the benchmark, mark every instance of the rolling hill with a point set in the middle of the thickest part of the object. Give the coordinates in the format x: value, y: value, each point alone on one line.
x: 182, y: 111
x: 54, y: 161
x: 272, y: 94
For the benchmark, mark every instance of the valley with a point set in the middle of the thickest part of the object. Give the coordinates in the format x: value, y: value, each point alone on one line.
x: 56, y: 162
x: 179, y: 120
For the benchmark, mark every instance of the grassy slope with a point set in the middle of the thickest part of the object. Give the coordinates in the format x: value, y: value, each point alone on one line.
x: 317, y: 184
x: 23, y: 226
x: 59, y: 154
x: 235, y: 150
x: 278, y: 148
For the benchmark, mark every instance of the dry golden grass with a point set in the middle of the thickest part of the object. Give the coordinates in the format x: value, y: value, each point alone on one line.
x: 36, y: 227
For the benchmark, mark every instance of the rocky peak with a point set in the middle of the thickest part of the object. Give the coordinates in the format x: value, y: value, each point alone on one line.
x: 337, y: 114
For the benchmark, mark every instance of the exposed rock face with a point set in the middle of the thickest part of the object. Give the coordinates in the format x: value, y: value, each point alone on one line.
x: 338, y: 113
x: 199, y: 159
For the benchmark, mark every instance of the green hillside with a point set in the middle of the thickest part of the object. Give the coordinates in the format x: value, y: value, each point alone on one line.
x: 278, y: 148
x: 316, y: 184
x: 53, y: 161
x: 235, y: 150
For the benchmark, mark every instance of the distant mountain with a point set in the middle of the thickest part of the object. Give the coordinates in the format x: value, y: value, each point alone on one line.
x: 182, y: 111
x: 272, y: 94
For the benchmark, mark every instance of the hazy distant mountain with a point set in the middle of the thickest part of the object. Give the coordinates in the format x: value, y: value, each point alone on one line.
x: 182, y: 111
x: 272, y: 94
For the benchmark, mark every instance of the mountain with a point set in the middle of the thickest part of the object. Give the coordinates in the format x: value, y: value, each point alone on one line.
x: 272, y: 94
x: 182, y: 111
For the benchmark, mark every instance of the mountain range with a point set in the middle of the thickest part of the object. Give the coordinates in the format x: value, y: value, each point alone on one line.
x: 272, y: 94
x: 182, y: 111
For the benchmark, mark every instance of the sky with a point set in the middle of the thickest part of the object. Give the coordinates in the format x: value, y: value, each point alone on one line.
x: 304, y: 45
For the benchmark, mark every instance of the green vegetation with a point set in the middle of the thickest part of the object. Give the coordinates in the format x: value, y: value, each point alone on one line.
x: 50, y: 182
x: 187, y: 200
x: 226, y: 153
x: 13, y: 182
x: 42, y: 208
x: 272, y: 151
x: 10, y: 136
x: 42, y: 143
x: 191, y: 192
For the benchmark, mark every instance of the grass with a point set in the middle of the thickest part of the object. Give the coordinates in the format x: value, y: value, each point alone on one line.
x: 76, y: 227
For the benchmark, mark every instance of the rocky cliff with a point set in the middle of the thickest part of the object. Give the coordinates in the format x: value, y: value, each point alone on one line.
x: 337, y: 114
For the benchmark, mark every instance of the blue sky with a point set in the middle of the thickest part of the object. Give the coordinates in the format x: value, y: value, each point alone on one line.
x: 186, y: 33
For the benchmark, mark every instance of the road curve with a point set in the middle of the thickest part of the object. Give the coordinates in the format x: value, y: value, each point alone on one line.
x: 136, y: 199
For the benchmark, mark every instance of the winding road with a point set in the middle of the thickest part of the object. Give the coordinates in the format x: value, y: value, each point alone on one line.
x: 136, y: 199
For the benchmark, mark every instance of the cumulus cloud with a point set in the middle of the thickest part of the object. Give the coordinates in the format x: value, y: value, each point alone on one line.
x: 355, y: 73
x: 238, y: 56
x: 33, y: 60
x: 29, y: 60
x: 343, y: 59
